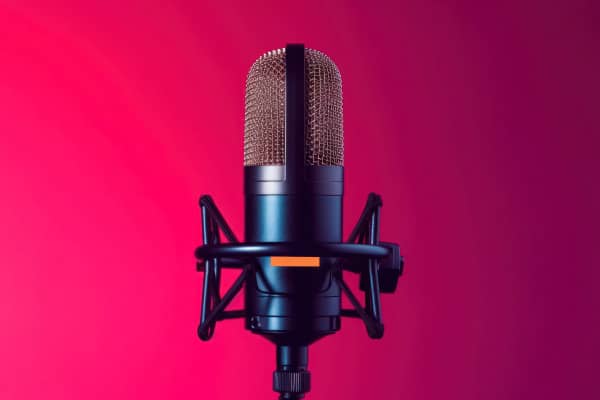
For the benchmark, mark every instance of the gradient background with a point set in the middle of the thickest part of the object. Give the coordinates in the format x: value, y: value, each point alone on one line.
x: 479, y: 125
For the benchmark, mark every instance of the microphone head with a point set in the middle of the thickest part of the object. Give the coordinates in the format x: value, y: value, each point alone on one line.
x: 264, y: 127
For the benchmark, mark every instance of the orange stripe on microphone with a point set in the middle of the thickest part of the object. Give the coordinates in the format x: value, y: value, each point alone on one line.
x: 295, y: 261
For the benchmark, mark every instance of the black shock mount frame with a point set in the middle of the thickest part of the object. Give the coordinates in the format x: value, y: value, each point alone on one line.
x: 362, y: 253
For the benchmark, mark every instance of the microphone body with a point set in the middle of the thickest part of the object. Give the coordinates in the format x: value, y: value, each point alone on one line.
x: 298, y: 304
x: 289, y: 199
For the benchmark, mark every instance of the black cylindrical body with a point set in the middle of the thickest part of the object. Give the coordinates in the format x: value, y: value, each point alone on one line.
x: 292, y: 305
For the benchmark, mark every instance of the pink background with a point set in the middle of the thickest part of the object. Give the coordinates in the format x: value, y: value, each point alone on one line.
x: 477, y: 124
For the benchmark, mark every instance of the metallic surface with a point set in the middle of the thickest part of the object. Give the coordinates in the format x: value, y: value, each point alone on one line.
x: 264, y: 128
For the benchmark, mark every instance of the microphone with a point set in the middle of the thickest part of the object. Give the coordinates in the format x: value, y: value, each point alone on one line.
x: 293, y: 256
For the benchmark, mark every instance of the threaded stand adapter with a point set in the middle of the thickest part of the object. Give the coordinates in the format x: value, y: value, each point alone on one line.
x: 291, y: 379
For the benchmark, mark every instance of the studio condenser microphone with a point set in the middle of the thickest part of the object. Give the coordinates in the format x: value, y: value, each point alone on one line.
x: 293, y: 255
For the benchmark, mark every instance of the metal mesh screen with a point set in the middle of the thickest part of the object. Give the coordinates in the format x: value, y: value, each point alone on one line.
x: 264, y: 128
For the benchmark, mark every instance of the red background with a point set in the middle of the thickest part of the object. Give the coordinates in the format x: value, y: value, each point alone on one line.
x: 477, y: 124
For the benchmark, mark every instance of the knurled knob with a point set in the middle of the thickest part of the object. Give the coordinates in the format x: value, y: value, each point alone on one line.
x: 291, y: 381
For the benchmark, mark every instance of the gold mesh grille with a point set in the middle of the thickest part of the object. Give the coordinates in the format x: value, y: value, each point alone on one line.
x: 264, y: 128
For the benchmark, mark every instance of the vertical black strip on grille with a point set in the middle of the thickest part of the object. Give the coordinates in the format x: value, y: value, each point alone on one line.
x: 294, y: 114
